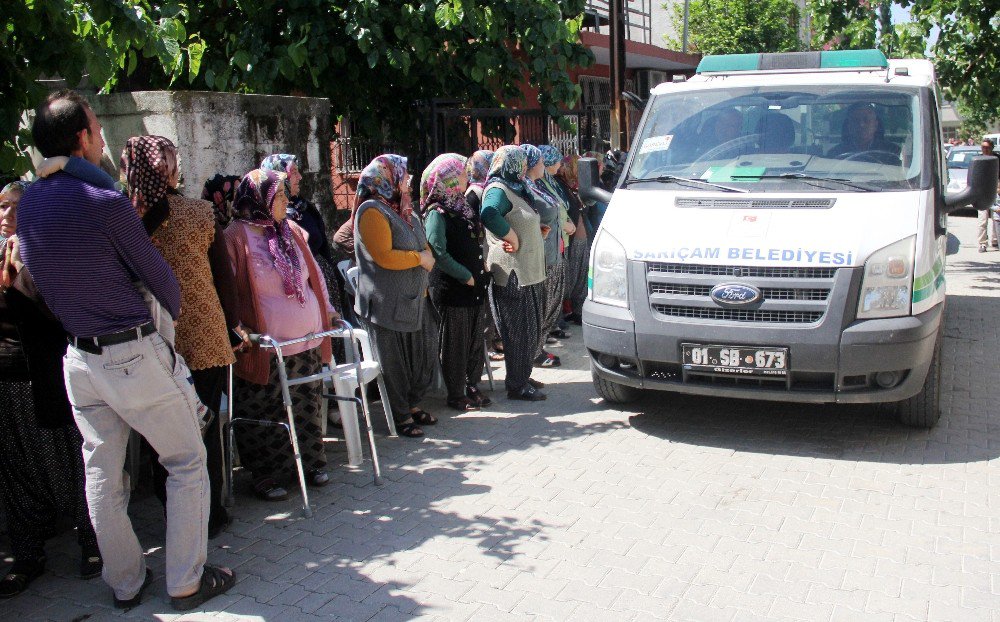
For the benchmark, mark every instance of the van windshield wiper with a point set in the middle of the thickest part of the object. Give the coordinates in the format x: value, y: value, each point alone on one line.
x: 681, y: 180
x: 806, y: 177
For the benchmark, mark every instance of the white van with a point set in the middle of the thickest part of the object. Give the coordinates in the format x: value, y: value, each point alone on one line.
x: 778, y: 233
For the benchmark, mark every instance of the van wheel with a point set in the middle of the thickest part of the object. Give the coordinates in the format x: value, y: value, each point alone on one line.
x: 613, y: 392
x: 924, y: 409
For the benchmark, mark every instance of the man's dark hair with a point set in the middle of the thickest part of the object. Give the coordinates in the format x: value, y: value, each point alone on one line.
x: 989, y: 142
x: 58, y: 121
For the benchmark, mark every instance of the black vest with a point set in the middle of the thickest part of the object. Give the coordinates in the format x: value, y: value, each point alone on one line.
x: 465, y: 247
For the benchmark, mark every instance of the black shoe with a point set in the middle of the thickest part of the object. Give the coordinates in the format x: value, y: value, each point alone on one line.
x: 20, y: 576
x: 574, y: 318
x: 267, y: 489
x: 982, y: 248
x: 317, y: 478
x: 473, y: 393
x: 559, y: 334
x: 135, y: 600
x: 527, y: 394
x: 91, y: 563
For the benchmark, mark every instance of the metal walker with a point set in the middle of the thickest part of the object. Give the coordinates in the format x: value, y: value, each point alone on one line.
x: 345, y: 331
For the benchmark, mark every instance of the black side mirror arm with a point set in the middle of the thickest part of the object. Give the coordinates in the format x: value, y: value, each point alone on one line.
x: 981, y: 190
x: 590, y: 189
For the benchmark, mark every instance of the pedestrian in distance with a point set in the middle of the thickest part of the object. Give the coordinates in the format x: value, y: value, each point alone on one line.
x: 84, y: 243
x: 986, y: 217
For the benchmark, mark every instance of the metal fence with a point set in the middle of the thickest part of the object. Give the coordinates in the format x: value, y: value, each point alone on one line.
x: 465, y: 130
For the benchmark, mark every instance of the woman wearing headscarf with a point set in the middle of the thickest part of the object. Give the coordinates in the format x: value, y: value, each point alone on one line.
x: 578, y: 255
x: 306, y: 215
x: 555, y: 262
x: 394, y: 261
x: 220, y: 190
x: 41, y: 463
x: 477, y: 169
x: 548, y: 206
x: 187, y: 233
x: 514, y: 235
x: 459, y: 279
x: 282, y: 293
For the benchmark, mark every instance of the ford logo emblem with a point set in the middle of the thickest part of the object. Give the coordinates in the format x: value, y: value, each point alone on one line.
x: 735, y: 294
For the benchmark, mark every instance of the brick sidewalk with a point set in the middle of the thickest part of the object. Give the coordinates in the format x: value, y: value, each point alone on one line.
x: 680, y: 508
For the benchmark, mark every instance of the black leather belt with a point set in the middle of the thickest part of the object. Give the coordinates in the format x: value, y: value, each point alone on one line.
x: 96, y: 345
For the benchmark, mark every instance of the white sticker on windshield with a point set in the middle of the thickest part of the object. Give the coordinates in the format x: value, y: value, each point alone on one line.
x: 656, y: 143
x: 959, y: 157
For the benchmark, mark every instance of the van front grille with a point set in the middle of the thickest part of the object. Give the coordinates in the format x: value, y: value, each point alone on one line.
x: 740, y: 315
x: 769, y: 293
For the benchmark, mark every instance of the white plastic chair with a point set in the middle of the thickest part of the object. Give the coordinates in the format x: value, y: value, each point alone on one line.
x: 344, y: 382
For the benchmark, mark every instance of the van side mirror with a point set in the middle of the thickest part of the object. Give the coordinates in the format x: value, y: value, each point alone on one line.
x: 590, y: 188
x: 981, y: 188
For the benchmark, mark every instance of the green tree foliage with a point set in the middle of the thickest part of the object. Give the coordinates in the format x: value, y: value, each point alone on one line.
x: 372, y: 58
x: 737, y: 26
x: 965, y: 54
x: 74, y: 39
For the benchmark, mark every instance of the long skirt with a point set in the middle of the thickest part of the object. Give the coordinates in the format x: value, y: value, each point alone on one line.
x: 41, y: 475
x: 462, y: 359
x: 518, y: 312
x: 407, y: 360
x: 577, y: 266
x: 551, y: 304
x: 266, y: 451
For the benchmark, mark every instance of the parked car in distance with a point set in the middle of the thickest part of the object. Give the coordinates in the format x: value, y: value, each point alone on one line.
x: 958, y: 169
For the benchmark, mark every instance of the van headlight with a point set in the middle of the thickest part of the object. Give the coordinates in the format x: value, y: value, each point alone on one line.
x: 609, y: 272
x: 887, y: 287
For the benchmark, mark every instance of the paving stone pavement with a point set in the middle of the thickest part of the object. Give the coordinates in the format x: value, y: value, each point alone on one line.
x: 677, y: 508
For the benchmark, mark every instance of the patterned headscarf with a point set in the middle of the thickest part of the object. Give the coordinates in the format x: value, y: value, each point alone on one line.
x: 425, y: 176
x: 254, y: 199
x: 221, y: 190
x: 380, y: 180
x: 477, y: 167
x: 148, y: 166
x: 550, y: 155
x: 533, y: 156
x: 533, y: 153
x: 444, y: 193
x: 509, y: 166
x: 280, y: 162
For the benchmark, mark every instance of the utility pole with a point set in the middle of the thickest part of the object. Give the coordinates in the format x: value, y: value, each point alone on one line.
x: 684, y: 36
x: 619, y: 122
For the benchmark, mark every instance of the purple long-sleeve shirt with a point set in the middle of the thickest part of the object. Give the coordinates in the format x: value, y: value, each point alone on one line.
x: 84, y: 246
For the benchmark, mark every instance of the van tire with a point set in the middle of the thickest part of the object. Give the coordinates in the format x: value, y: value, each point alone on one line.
x: 923, y: 410
x: 613, y: 392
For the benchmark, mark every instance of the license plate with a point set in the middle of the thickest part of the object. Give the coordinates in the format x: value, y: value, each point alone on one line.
x: 735, y: 360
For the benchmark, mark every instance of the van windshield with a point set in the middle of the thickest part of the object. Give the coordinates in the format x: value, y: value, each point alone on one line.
x: 780, y: 139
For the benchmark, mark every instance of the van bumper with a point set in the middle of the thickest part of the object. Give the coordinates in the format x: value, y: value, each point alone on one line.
x: 826, y: 364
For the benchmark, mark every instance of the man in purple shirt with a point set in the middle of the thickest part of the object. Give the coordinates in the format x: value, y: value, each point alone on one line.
x: 87, y: 250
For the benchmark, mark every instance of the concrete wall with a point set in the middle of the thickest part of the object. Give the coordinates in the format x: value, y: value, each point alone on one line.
x: 224, y: 132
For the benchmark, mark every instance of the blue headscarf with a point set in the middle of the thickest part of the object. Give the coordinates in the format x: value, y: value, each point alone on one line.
x: 533, y: 153
x: 550, y: 155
